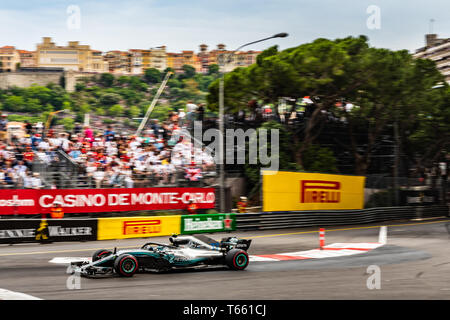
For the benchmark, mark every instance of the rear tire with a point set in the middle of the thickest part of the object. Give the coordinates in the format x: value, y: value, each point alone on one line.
x: 100, y: 254
x: 237, y: 259
x: 126, y: 265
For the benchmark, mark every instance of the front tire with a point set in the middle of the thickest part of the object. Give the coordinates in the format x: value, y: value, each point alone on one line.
x: 100, y: 254
x: 126, y: 265
x: 237, y: 259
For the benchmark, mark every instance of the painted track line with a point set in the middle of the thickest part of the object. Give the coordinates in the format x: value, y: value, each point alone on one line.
x: 331, y: 251
x: 12, y: 295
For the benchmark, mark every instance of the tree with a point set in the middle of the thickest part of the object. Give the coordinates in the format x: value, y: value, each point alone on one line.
x: 14, y: 103
x: 152, y: 75
x: 188, y: 72
x: 319, y: 159
x: 106, y: 80
x: 286, y: 159
x: 134, y: 112
x: 109, y: 99
x: 213, y: 69
x: 115, y: 110
x: 384, y: 85
x: 168, y: 69
x: 68, y: 123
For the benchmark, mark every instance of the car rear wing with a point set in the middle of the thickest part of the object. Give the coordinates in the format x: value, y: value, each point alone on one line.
x: 235, y: 243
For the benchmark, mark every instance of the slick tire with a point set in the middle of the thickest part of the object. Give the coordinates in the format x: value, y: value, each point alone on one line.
x: 100, y: 254
x: 237, y: 259
x: 126, y: 265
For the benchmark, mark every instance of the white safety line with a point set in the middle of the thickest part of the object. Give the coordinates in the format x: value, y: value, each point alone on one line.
x: 68, y: 260
x: 329, y: 251
x: 11, y: 295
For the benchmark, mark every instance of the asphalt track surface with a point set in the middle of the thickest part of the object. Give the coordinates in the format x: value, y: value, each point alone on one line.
x: 415, y: 264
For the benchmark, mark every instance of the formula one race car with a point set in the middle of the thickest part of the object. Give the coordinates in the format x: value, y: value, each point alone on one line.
x: 183, y: 252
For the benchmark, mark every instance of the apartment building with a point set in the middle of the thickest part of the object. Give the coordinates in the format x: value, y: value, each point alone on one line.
x: 154, y: 58
x: 27, y: 58
x: 74, y: 56
x: 119, y: 62
x: 437, y: 50
x: 9, y: 59
x: 136, y: 61
x: 97, y: 62
x: 175, y: 61
x: 158, y: 58
x: 203, y: 59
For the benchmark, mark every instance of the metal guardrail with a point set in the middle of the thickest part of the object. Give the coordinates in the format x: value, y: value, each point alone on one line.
x: 295, y: 219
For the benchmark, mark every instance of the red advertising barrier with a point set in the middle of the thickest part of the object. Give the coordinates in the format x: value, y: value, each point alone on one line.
x: 20, y: 201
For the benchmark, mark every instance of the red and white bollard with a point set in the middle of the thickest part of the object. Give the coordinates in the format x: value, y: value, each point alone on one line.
x: 321, y: 238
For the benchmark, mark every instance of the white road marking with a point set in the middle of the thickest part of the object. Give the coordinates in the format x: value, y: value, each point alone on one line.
x: 12, y: 295
x: 68, y: 260
x: 329, y: 251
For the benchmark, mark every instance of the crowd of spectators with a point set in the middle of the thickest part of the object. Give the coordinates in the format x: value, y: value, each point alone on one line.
x: 16, y: 158
x: 162, y: 153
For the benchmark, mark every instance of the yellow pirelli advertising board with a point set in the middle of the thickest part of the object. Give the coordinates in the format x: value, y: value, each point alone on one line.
x: 295, y: 191
x: 123, y: 228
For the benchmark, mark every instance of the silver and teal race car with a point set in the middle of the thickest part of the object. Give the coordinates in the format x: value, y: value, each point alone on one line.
x: 182, y: 252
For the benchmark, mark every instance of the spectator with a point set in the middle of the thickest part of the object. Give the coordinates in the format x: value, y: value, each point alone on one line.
x: 201, y: 112
x: 36, y: 182
x: 88, y: 135
x: 109, y: 133
x: 191, y: 109
x: 99, y: 175
x: 242, y: 205
x: 193, y: 173
x: 28, y: 127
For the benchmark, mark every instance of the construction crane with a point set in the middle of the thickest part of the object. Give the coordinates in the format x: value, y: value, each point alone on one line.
x: 152, y: 105
x: 49, y: 120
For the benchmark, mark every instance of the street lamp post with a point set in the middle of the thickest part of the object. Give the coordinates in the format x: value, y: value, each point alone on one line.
x: 226, y: 58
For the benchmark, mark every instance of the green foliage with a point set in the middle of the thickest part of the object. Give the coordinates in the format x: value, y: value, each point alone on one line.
x: 109, y: 99
x: 108, y: 121
x: 21, y: 118
x: 100, y: 111
x: 116, y: 110
x: 213, y: 69
x: 152, y: 75
x: 160, y: 112
x: 188, y: 72
x: 68, y: 123
x: 385, y: 85
x: 285, y: 158
x: 134, y: 112
x: 319, y: 159
x: 106, y: 79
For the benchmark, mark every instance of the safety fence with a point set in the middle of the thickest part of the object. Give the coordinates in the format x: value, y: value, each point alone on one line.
x: 290, y: 219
